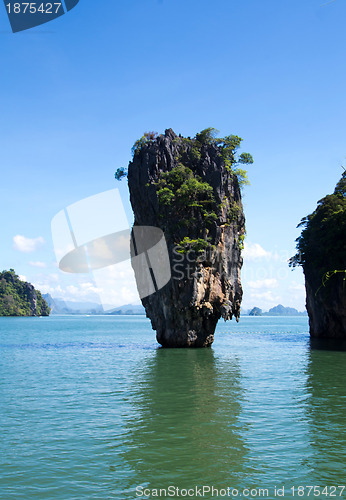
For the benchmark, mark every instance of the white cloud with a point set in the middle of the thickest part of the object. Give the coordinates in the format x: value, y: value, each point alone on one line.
x: 266, y: 283
x: 268, y: 297
x: 22, y: 277
x: 23, y: 244
x: 116, y: 284
x: 269, y: 291
x: 112, y: 286
x: 254, y: 251
x: 296, y: 294
x: 38, y: 264
x: 265, y: 300
x: 297, y: 287
x: 83, y: 291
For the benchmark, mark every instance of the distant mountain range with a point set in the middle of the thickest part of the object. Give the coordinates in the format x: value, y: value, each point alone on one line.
x: 278, y: 310
x: 127, y: 309
x: 60, y: 306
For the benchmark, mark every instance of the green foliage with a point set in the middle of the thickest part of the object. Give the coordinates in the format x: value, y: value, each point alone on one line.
x: 185, y: 198
x: 233, y: 212
x: 245, y: 158
x: 181, y: 189
x: 229, y: 146
x: 242, y: 177
x: 192, y: 149
x: 340, y: 188
x: 165, y: 196
x: 120, y: 173
x: 150, y: 136
x: 18, y: 298
x: 209, y: 217
x: 207, y: 136
x: 138, y: 145
x: 195, y: 153
x: 187, y: 244
x: 230, y: 143
x: 187, y: 141
x: 146, y: 137
x: 330, y: 274
x: 241, y: 239
x: 323, y: 238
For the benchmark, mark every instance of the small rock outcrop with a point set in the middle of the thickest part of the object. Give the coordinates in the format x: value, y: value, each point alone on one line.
x: 19, y: 298
x: 322, y: 254
x: 189, y: 188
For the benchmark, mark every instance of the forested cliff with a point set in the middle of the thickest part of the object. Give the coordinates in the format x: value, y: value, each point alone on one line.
x: 19, y: 298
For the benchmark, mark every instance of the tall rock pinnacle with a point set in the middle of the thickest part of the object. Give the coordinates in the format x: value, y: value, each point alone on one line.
x: 189, y: 188
x: 322, y: 254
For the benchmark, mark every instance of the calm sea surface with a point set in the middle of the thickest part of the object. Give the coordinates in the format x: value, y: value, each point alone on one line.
x: 91, y: 408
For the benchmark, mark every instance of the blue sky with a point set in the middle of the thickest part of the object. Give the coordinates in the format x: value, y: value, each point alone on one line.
x: 77, y: 92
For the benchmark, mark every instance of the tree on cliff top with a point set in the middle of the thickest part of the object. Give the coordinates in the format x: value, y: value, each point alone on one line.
x: 228, y: 147
x: 187, y: 199
x: 321, y: 247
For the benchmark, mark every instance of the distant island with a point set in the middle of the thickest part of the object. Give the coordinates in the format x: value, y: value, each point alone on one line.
x: 129, y: 309
x: 19, y: 298
x: 60, y: 306
x: 278, y: 310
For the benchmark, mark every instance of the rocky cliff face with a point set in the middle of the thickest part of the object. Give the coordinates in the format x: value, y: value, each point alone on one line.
x: 322, y: 253
x: 187, y: 188
x: 327, y: 307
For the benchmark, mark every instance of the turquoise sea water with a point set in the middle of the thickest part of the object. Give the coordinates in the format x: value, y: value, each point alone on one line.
x: 91, y: 408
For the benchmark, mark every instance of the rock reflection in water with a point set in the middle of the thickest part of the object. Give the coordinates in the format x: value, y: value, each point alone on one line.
x: 186, y: 431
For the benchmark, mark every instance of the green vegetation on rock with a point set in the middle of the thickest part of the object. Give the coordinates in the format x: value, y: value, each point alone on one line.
x: 184, y: 197
x: 198, y: 245
x: 189, y: 205
x: 120, y: 173
x: 192, y: 150
x: 18, y: 298
x: 183, y: 193
x: 147, y: 137
x: 228, y: 148
x: 321, y: 247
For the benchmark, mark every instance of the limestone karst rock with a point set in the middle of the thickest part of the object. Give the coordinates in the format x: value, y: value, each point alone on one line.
x: 322, y: 254
x: 189, y: 189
